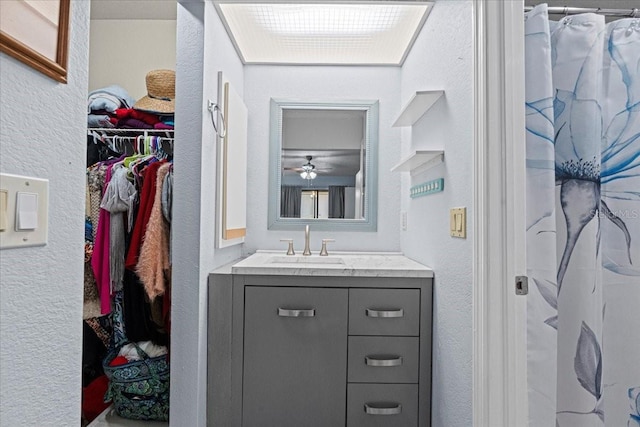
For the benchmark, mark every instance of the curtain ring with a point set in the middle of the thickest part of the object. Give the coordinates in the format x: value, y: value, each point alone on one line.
x: 213, y: 107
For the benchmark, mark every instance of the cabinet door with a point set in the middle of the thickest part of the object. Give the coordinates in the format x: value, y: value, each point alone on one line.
x: 295, y: 357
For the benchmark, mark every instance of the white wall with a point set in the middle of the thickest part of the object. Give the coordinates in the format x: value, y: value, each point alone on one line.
x: 263, y: 82
x: 123, y: 52
x: 442, y: 58
x: 43, y: 134
x: 203, y: 50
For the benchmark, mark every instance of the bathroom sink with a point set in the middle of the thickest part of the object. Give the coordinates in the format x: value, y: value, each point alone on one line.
x: 305, y: 260
x: 366, y: 264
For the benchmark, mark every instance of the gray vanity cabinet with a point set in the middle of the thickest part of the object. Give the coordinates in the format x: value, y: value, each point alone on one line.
x: 295, y: 356
x: 292, y: 351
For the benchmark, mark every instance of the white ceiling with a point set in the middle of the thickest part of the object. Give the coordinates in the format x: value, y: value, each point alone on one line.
x: 134, y: 9
x: 323, y: 31
x: 166, y: 9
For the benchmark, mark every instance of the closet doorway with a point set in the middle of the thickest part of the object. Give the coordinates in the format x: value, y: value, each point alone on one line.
x: 128, y: 39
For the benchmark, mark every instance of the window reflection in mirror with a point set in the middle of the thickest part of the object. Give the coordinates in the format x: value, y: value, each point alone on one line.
x: 315, y: 204
x: 323, y: 161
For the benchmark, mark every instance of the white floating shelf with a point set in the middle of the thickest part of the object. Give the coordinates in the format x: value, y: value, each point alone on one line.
x: 419, y: 161
x: 417, y: 106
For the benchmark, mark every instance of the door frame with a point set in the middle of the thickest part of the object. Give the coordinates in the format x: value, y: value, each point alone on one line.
x: 499, y: 316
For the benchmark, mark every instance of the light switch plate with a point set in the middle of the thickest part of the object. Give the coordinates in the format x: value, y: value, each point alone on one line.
x: 458, y: 222
x: 35, y: 216
x: 4, y: 197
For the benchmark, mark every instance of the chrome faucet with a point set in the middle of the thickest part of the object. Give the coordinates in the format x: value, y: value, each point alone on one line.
x: 307, y: 251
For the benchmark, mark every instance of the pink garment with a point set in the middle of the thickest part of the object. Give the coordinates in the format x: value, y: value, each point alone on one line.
x: 100, y: 259
x: 153, y: 262
x: 162, y: 125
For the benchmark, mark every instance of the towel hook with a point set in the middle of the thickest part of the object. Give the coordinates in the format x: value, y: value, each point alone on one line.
x: 213, y: 107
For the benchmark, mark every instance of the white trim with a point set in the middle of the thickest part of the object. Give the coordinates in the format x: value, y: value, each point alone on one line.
x: 514, y: 101
x: 499, y: 346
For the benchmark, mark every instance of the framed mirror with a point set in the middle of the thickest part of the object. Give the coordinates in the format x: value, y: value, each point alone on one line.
x: 323, y: 165
x: 37, y: 33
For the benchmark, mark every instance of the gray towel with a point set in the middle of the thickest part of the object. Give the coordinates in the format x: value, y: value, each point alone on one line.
x: 167, y: 188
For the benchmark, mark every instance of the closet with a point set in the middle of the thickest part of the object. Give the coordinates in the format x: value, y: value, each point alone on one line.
x: 128, y: 210
x: 127, y: 250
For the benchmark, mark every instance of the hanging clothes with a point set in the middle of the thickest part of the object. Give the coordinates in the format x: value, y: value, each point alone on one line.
x: 100, y: 260
x: 147, y: 197
x: 125, y: 201
x: 119, y: 198
x: 153, y: 263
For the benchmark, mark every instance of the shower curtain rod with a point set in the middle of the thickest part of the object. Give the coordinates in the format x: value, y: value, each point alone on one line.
x: 565, y: 10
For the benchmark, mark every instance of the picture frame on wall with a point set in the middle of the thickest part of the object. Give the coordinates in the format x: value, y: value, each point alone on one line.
x: 36, y: 32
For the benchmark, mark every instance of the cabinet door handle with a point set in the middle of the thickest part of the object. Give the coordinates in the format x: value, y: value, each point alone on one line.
x: 376, y: 409
x: 378, y: 361
x: 385, y: 313
x: 285, y: 312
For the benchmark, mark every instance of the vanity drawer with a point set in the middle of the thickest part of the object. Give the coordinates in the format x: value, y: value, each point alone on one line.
x: 383, y: 359
x: 384, y: 312
x: 382, y: 405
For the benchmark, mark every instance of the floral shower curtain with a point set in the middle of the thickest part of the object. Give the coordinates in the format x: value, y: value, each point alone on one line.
x: 583, y: 220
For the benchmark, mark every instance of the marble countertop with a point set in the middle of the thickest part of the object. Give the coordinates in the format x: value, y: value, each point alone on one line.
x: 339, y: 264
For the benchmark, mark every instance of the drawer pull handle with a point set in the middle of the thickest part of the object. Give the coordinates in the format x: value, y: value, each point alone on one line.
x: 377, y: 361
x: 385, y: 313
x: 382, y: 410
x: 285, y: 312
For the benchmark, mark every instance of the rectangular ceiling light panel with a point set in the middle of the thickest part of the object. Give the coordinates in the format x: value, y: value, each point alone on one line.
x: 323, y: 33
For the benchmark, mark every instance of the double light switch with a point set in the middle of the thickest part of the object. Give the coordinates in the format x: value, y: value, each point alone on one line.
x: 23, y: 211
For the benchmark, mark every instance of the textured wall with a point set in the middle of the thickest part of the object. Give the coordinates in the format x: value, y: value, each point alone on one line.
x: 43, y: 134
x: 442, y: 58
x: 262, y: 82
x: 124, y: 51
x: 202, y: 50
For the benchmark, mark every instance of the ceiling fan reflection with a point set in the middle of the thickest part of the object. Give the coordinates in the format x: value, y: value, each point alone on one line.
x: 307, y: 170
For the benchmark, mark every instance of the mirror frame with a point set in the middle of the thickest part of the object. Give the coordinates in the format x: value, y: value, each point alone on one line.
x: 56, y: 68
x: 370, y: 220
